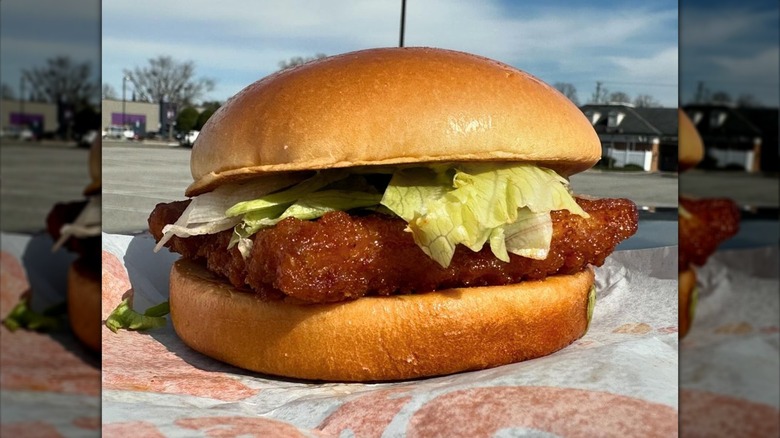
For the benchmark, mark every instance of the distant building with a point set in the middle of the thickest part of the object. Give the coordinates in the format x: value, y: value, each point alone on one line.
x: 141, y: 117
x: 730, y: 140
x: 767, y: 120
x: 732, y: 136
x: 643, y: 137
x: 40, y: 117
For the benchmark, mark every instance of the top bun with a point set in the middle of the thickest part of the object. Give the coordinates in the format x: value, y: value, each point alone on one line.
x: 690, y: 147
x: 391, y: 106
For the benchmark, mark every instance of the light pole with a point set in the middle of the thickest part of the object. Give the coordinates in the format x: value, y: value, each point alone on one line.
x: 124, y: 86
x: 403, y: 23
x: 21, y: 102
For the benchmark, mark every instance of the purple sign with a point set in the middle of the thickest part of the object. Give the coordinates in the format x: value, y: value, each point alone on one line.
x: 130, y: 119
x: 31, y: 120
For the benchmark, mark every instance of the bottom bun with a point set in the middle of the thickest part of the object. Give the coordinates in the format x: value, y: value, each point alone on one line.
x: 84, y: 302
x: 379, y: 338
x: 686, y: 288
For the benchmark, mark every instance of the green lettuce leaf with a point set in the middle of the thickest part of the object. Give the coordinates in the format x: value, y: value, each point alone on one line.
x: 287, y: 196
x: 124, y: 317
x: 309, y: 206
x: 206, y: 213
x: 22, y: 316
x: 476, y: 203
x: 506, y: 206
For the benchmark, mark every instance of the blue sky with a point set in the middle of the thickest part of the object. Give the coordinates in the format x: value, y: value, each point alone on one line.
x: 730, y: 46
x: 629, y: 46
x: 31, y: 31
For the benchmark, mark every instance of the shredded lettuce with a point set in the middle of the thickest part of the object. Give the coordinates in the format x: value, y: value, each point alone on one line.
x: 206, y: 213
x: 508, y: 205
x: 124, y: 317
x: 22, y: 316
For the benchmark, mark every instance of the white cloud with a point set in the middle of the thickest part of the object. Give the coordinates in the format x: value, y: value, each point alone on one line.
x: 250, y: 41
x: 712, y: 27
x: 660, y: 68
x: 763, y: 66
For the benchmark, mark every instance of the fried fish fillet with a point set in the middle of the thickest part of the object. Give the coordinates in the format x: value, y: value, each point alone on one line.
x: 341, y: 256
x: 703, y: 225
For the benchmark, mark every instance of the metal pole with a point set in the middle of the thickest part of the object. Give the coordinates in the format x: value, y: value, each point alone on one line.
x: 124, y: 80
x: 21, y: 103
x: 124, y: 121
x: 403, y: 23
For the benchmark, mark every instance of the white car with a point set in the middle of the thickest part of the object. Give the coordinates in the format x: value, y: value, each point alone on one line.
x: 189, y: 138
x: 118, y: 132
x: 88, y: 138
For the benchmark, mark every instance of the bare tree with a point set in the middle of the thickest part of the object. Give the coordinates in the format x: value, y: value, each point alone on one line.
x: 568, y: 90
x: 168, y: 80
x: 619, y: 97
x: 8, y: 92
x: 62, y: 79
x: 747, y: 100
x: 720, y: 97
x: 646, y: 101
x: 109, y: 92
x: 298, y: 60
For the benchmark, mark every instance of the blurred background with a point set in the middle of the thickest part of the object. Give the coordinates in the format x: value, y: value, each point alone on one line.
x: 729, y: 74
x: 729, y: 69
x: 49, y: 115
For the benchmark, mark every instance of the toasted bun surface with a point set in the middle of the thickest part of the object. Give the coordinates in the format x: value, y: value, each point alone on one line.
x: 686, y: 288
x: 84, y: 303
x: 391, y: 106
x: 690, y: 146
x: 378, y: 338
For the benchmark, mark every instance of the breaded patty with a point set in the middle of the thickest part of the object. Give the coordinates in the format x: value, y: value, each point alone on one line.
x: 708, y: 222
x: 341, y: 256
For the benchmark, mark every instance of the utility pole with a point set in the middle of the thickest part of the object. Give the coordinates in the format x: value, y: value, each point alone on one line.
x: 403, y: 23
x: 699, y: 98
x: 21, y: 103
x: 598, y: 92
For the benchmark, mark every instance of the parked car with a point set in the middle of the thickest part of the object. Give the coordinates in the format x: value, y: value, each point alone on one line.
x: 87, y: 139
x: 117, y: 132
x: 189, y: 138
x: 19, y: 133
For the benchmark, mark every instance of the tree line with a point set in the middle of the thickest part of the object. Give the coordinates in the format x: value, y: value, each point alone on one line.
x: 604, y: 95
x: 166, y: 79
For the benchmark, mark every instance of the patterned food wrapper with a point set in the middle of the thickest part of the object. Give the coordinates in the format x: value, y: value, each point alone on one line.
x: 49, y: 383
x: 620, y: 379
x: 729, y: 362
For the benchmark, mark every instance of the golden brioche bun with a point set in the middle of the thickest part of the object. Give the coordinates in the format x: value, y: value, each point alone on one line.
x: 686, y: 290
x: 391, y: 106
x: 690, y: 147
x: 84, y: 302
x: 379, y: 338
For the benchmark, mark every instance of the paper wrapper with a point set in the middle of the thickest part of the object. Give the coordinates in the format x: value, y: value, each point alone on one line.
x: 620, y: 379
x: 729, y: 362
x: 49, y: 383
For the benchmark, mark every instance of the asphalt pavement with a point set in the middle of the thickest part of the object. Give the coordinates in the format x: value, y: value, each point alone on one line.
x: 35, y: 176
